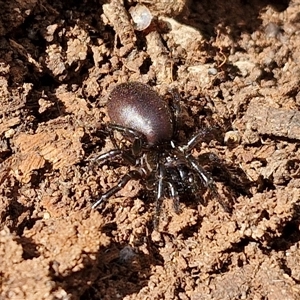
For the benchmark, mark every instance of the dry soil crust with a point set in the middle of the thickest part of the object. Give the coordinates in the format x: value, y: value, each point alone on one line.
x: 236, y: 65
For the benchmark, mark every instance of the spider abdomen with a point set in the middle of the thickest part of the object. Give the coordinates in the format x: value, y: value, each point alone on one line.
x: 135, y: 105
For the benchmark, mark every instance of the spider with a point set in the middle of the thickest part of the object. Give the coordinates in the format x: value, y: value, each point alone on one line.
x: 150, y: 124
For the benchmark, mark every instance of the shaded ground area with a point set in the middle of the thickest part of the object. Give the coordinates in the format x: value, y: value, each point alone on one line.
x: 236, y: 66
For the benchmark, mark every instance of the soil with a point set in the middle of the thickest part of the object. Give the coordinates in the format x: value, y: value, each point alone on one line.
x: 236, y: 66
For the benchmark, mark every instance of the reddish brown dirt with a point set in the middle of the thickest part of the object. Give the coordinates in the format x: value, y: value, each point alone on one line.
x: 236, y: 65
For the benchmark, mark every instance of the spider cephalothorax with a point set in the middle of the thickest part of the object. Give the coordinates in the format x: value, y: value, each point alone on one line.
x: 146, y: 120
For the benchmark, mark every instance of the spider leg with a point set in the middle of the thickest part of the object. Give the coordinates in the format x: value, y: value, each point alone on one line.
x: 194, y: 140
x: 138, y: 139
x: 207, y: 180
x: 174, y: 195
x: 173, y: 192
x: 131, y: 175
x: 129, y: 156
x: 159, y: 193
x: 175, y: 177
x: 234, y: 176
x: 126, y: 130
x: 115, y: 154
x: 110, y: 155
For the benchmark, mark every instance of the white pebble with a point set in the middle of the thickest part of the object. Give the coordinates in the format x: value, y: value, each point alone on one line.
x: 141, y: 17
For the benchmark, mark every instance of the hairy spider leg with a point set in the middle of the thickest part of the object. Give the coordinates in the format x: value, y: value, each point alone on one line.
x: 114, y: 154
x: 110, y: 155
x: 207, y: 180
x: 226, y: 173
x: 160, y: 192
x: 194, y: 140
x: 131, y: 158
x: 131, y: 175
x: 165, y: 182
x: 178, y: 175
x: 174, y: 195
x: 138, y: 140
x: 137, y: 137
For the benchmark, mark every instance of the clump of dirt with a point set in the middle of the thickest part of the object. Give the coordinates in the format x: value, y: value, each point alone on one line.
x: 236, y: 67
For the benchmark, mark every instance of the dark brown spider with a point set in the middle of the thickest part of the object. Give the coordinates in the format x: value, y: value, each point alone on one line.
x: 150, y: 124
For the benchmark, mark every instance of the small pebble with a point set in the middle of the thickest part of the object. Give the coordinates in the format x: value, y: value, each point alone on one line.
x: 141, y: 17
x: 212, y: 71
x: 232, y: 138
x: 272, y: 30
x: 9, y: 133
